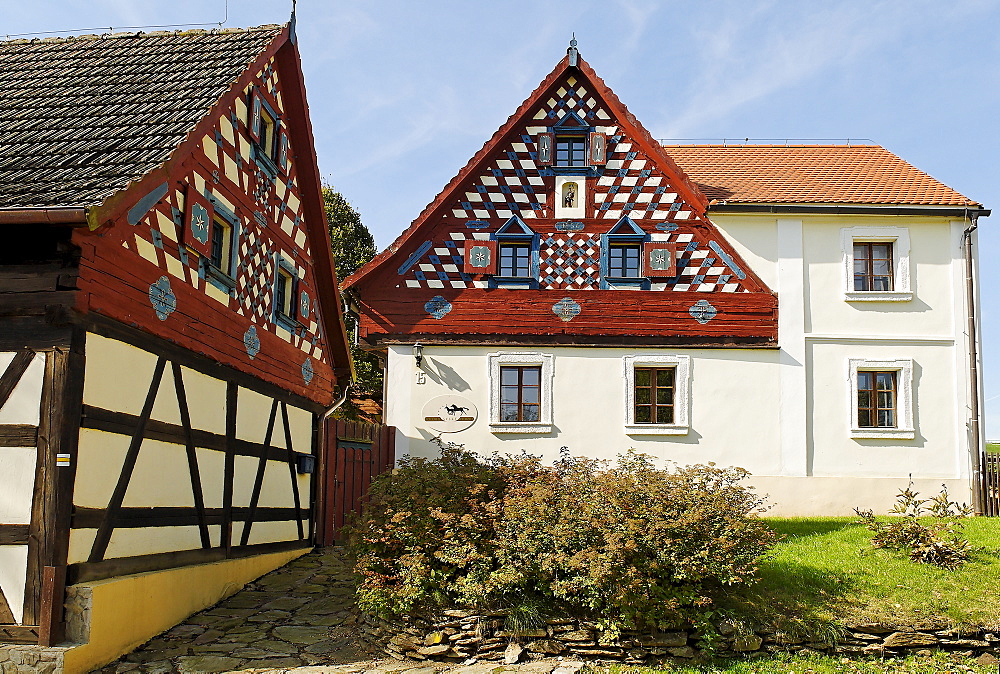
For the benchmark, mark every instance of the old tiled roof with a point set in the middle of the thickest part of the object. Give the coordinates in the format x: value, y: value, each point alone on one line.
x: 81, y: 117
x: 814, y: 174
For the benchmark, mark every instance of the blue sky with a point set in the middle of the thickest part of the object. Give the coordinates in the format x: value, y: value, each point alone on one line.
x: 402, y: 93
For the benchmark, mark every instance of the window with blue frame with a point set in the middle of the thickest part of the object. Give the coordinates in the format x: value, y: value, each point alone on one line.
x: 515, y: 259
x: 622, y: 264
x: 625, y: 260
x: 571, y: 151
x: 517, y: 253
x: 268, y: 143
x: 285, y: 282
x: 217, y: 268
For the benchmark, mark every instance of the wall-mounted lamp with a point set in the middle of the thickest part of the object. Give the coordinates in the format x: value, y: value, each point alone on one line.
x: 418, y: 353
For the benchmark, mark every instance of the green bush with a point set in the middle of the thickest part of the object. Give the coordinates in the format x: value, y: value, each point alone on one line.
x: 929, y: 529
x: 628, y: 544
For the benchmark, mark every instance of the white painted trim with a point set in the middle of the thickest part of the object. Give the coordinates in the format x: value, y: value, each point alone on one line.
x: 904, y: 398
x: 400, y: 368
x: 682, y: 394
x: 900, y: 239
x: 579, y: 211
x: 895, y: 339
x: 544, y: 423
x: 793, y: 374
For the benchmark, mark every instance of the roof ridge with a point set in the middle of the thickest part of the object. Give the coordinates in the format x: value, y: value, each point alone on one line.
x: 139, y: 33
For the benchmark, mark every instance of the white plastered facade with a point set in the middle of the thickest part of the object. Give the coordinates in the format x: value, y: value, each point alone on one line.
x: 787, y: 415
x: 17, y: 470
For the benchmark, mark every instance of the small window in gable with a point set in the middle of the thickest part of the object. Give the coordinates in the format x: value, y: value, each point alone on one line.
x: 269, y: 141
x: 572, y: 147
x: 622, y: 256
x: 516, y: 254
x: 222, y: 244
x: 571, y: 151
x: 285, y: 286
x: 218, y: 252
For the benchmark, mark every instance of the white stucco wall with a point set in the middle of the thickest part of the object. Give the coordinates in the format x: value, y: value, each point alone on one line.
x: 785, y: 415
x: 17, y: 476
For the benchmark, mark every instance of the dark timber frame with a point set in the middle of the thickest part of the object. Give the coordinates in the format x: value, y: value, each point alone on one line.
x: 141, y: 427
x: 64, y: 414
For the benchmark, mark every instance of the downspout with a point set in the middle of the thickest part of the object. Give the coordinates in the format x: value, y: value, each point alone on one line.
x: 975, y: 448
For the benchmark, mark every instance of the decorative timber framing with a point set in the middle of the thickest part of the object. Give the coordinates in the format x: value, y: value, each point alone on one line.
x: 142, y: 427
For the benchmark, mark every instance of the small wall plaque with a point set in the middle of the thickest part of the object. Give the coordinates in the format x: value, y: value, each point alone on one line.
x: 449, y: 413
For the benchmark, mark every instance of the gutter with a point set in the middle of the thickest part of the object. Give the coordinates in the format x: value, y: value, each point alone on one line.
x: 60, y: 215
x: 975, y: 441
x: 723, y: 207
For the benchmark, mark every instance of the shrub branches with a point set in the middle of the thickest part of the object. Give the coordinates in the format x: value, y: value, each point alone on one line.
x: 630, y: 544
x: 940, y: 541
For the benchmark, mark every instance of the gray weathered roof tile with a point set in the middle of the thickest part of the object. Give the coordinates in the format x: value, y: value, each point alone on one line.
x: 84, y: 116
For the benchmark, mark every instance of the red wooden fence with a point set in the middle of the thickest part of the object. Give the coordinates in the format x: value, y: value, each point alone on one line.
x: 355, y: 453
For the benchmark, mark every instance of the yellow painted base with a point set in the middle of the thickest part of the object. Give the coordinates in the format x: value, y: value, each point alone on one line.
x: 123, y: 613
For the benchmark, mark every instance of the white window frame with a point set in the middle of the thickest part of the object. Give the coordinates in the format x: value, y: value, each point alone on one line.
x: 903, y: 368
x: 682, y: 393
x: 899, y: 237
x: 544, y: 423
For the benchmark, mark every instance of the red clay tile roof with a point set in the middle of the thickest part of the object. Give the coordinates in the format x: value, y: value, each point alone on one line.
x: 788, y: 174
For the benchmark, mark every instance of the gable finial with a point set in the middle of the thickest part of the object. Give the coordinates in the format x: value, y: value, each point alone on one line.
x: 572, y: 51
x: 291, y: 24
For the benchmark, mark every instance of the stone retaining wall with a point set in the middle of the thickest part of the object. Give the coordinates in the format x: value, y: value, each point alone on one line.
x: 462, y: 635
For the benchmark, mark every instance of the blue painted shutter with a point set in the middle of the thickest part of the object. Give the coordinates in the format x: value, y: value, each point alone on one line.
x: 198, y: 215
x: 598, y: 149
x: 545, y: 148
x: 283, y: 152
x: 255, y: 104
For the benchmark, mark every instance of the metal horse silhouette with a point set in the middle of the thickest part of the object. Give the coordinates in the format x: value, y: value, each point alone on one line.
x: 455, y: 409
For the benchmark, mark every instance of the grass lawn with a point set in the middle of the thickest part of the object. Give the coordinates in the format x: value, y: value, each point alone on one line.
x: 783, y: 663
x: 825, y: 573
x: 993, y: 447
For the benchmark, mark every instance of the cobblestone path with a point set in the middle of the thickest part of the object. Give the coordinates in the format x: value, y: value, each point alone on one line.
x: 296, y: 619
x: 295, y: 616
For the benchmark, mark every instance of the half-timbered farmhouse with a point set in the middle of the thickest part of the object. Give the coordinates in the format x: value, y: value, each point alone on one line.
x: 800, y: 311
x: 170, y: 329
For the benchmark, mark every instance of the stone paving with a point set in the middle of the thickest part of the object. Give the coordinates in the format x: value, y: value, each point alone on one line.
x: 296, y: 619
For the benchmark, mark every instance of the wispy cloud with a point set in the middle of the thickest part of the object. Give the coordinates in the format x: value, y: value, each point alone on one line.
x: 749, y: 55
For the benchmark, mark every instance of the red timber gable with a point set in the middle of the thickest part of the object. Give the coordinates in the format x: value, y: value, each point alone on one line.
x: 445, y: 278
x: 199, y: 249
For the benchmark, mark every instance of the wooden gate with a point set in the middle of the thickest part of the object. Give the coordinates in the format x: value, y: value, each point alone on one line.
x: 990, y: 487
x: 355, y: 453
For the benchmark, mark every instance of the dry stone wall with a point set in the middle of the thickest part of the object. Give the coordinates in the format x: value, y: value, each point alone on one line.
x: 459, y: 635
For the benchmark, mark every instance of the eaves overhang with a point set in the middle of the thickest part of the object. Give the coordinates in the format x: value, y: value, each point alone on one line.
x: 75, y: 216
x: 849, y: 209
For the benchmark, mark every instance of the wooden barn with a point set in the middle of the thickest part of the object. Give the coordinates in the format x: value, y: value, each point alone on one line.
x: 170, y: 330
x: 802, y: 310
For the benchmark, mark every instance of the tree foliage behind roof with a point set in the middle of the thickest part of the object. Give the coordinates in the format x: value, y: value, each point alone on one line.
x: 353, y: 245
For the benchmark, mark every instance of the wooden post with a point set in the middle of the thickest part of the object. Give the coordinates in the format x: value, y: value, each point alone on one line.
x: 52, y: 627
x: 52, y: 504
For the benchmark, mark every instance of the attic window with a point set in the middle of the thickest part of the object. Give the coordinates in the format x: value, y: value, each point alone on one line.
x: 269, y: 143
x: 571, y: 151
x: 621, y: 256
x: 285, y: 286
x: 268, y: 137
